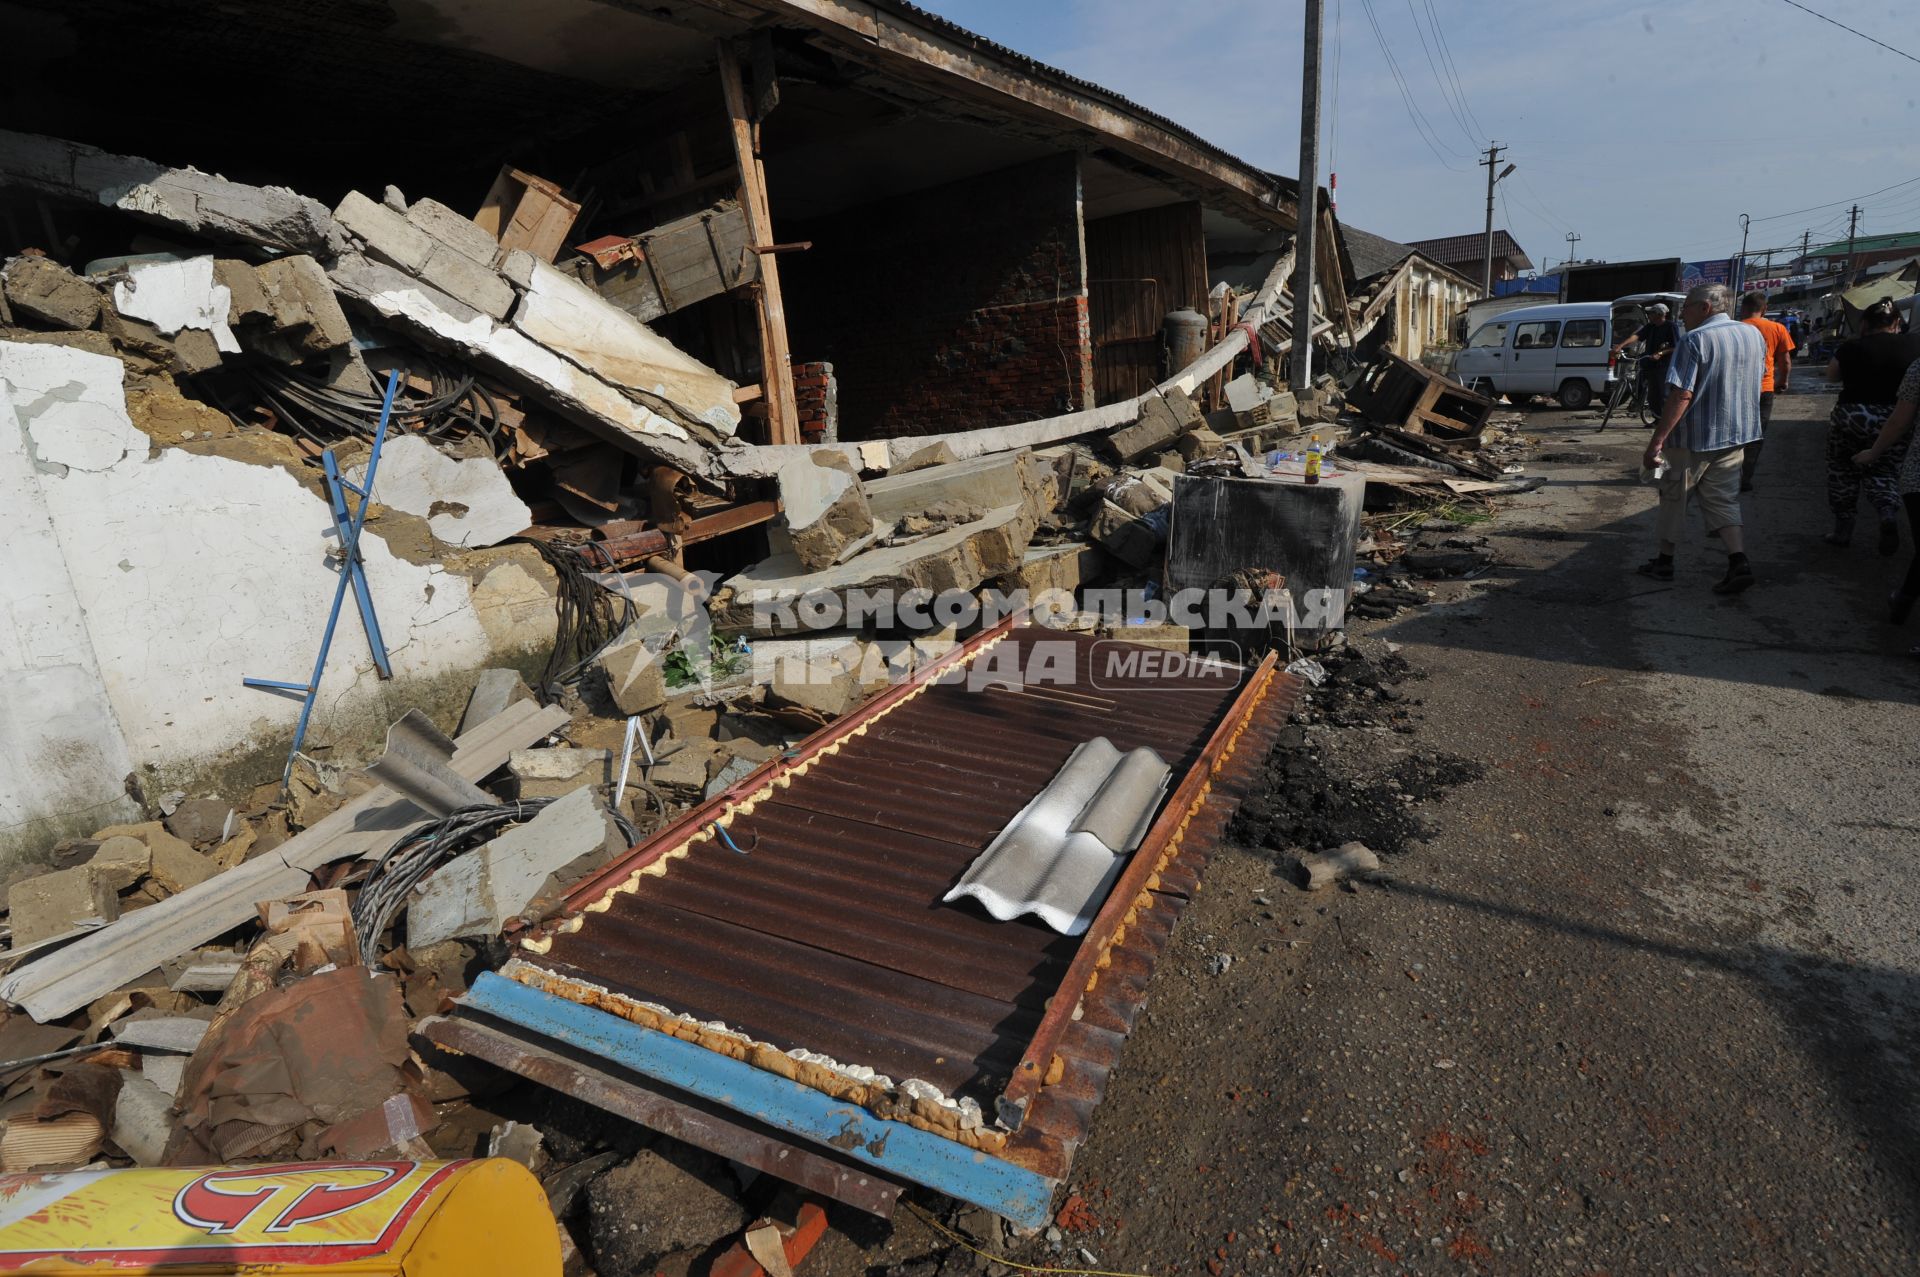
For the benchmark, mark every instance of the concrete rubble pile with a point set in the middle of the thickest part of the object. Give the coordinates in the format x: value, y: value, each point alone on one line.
x: 207, y: 965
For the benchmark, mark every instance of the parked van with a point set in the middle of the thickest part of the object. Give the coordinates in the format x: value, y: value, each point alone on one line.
x: 1558, y: 350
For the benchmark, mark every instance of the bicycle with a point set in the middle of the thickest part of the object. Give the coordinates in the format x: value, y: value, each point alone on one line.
x: 1629, y: 391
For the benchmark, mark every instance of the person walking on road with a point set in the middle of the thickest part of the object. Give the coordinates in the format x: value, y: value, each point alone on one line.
x: 1658, y: 336
x: 1712, y: 412
x: 1869, y: 369
x: 1778, y: 372
x: 1898, y: 432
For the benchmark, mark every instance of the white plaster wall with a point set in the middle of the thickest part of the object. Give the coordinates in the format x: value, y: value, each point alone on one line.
x: 61, y: 751
x: 166, y: 578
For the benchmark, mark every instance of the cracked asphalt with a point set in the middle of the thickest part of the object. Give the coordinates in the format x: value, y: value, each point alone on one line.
x: 1644, y: 1002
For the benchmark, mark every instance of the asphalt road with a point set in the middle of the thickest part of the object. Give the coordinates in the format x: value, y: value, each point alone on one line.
x: 1644, y: 1002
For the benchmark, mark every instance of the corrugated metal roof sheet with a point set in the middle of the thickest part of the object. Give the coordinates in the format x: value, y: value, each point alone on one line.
x: 824, y: 951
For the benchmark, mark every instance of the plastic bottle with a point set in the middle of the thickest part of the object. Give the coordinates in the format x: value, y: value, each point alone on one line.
x: 1313, y: 460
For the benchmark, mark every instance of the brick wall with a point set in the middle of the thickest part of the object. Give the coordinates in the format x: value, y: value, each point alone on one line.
x: 954, y: 308
x: 816, y: 397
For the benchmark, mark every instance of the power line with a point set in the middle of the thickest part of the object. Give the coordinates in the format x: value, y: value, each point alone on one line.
x: 1420, y: 124
x: 1850, y: 31
x: 1446, y: 56
x: 1438, y: 81
x: 1851, y: 199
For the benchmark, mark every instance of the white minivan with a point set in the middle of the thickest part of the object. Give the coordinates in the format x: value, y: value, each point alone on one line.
x: 1558, y: 350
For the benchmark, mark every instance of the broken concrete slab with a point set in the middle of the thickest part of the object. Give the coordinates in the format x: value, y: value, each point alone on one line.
x: 493, y: 691
x: 1015, y: 478
x: 824, y: 509
x: 598, y: 406
x: 1056, y: 567
x: 120, y: 862
x: 47, y: 292
x: 1163, y: 635
x: 301, y: 309
x: 468, y: 503
x: 1163, y: 419
x: 819, y: 690
x: 556, y: 772
x: 178, y: 296
x: 476, y: 893
x: 398, y: 241
x: 142, y: 1119
x: 635, y: 678
x: 53, y: 904
x: 767, y: 598
x: 184, y: 198
x: 177, y: 866
x: 455, y: 230
x: 568, y: 317
x: 200, y: 821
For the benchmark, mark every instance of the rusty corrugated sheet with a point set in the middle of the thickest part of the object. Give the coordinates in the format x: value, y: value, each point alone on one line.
x: 828, y: 935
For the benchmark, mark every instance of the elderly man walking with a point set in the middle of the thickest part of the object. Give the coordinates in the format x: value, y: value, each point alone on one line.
x: 1712, y: 413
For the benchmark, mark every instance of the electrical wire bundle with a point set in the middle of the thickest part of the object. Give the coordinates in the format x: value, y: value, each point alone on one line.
x: 588, y: 618
x: 453, y: 406
x: 409, y: 861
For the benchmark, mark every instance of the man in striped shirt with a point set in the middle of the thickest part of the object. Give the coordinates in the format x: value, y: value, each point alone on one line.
x: 1712, y: 413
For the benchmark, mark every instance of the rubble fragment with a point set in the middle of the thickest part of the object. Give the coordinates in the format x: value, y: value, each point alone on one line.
x: 46, y: 292
x: 53, y: 904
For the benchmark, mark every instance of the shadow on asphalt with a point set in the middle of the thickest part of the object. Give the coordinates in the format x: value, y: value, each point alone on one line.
x: 1839, y: 1006
x: 1815, y: 620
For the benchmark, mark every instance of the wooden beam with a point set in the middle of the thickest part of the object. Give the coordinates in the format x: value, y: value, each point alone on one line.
x: 783, y: 419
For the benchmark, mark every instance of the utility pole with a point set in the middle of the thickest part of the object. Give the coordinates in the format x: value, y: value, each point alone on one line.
x: 1486, y: 266
x: 1806, y: 238
x: 1740, y: 263
x: 1572, y: 239
x: 1309, y: 202
x: 1853, y: 224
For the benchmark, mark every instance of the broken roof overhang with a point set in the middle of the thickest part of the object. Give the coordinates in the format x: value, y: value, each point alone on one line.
x: 827, y: 991
x: 905, y: 41
x: 580, y: 355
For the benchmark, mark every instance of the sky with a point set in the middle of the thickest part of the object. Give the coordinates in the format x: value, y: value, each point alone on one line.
x: 1646, y: 129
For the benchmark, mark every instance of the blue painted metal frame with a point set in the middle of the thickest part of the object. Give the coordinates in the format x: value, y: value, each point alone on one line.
x: 906, y: 1151
x: 356, y: 566
x: 349, y: 577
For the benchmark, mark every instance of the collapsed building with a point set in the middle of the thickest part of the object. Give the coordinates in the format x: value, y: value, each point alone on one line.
x: 790, y: 298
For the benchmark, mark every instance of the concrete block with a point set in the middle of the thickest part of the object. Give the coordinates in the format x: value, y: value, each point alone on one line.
x: 475, y: 894
x: 302, y: 310
x: 1003, y: 479
x: 1157, y: 427
x: 825, y: 509
x: 48, y: 293
x: 1200, y: 443
x: 200, y: 821
x: 686, y: 768
x: 392, y: 238
x: 246, y: 300
x: 54, y: 904
x: 455, y: 230
x: 493, y: 691
x: 1167, y: 636
x: 176, y: 298
x: 823, y: 689
x: 177, y: 866
x: 553, y: 773
x: 635, y: 676
x: 121, y: 862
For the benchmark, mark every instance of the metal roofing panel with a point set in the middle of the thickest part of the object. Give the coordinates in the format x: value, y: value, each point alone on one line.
x: 824, y: 954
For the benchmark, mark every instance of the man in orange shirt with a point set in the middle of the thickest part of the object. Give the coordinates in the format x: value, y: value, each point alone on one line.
x: 1779, y: 371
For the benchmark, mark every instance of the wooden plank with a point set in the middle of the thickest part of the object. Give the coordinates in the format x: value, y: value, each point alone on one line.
x: 682, y: 262
x: 777, y: 374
